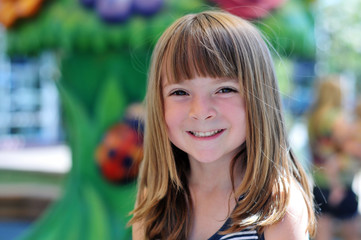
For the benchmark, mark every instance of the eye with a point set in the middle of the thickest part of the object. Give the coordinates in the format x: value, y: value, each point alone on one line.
x: 227, y: 90
x: 178, y: 93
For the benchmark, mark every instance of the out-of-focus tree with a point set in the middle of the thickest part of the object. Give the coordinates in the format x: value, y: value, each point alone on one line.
x: 338, y: 37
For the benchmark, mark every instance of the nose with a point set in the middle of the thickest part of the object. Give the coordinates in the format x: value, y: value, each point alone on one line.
x: 202, y: 108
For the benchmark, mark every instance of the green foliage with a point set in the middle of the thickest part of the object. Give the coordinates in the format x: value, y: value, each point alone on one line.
x: 96, y: 215
x: 290, y: 30
x: 90, y: 208
x: 80, y: 132
x: 284, y: 68
x: 84, y: 75
x: 110, y: 105
x: 67, y: 25
x: 84, y: 213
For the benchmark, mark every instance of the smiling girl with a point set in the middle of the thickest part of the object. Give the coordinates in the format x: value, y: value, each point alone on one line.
x: 217, y: 164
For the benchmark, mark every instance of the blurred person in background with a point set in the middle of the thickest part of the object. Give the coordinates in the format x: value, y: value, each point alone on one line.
x: 353, y: 144
x: 331, y: 140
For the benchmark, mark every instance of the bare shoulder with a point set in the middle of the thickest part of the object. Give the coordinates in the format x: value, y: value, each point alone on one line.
x: 137, y: 231
x: 294, y: 224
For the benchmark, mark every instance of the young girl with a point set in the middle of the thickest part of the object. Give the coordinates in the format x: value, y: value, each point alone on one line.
x: 217, y: 164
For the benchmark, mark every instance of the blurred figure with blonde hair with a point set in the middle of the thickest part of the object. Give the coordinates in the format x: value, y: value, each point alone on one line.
x: 330, y: 138
x: 353, y: 145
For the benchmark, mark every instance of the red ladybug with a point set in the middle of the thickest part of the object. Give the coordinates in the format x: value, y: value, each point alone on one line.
x: 120, y: 153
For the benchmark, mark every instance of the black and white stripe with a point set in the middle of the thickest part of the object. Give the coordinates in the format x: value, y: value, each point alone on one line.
x: 244, y: 235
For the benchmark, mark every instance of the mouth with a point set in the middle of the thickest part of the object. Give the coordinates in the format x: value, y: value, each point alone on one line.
x: 206, y: 134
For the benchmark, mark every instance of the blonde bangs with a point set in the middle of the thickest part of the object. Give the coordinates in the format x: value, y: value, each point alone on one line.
x: 200, y: 47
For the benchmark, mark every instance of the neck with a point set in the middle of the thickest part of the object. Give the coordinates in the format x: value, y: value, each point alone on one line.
x: 209, y: 177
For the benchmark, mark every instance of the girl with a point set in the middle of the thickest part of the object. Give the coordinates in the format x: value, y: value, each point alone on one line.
x: 217, y: 163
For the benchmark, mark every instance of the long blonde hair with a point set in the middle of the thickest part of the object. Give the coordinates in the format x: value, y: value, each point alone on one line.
x: 220, y: 45
x: 329, y: 100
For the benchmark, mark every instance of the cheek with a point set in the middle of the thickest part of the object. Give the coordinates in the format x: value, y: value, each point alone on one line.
x: 234, y: 109
x: 172, y: 125
x: 169, y: 121
x: 167, y: 114
x: 236, y: 114
x: 171, y: 116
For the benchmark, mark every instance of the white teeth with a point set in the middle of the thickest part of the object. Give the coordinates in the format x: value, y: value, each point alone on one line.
x: 206, y: 134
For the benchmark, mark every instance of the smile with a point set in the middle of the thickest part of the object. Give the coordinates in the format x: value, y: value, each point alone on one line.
x: 206, y: 134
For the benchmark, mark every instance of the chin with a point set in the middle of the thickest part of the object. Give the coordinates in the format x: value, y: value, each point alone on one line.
x: 206, y: 158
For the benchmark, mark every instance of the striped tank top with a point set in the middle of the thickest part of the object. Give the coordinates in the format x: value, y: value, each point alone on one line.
x: 247, y: 234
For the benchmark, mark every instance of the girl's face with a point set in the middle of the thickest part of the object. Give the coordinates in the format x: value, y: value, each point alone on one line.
x: 205, y: 117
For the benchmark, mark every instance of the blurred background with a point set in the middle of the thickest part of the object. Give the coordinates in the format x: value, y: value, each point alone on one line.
x: 72, y: 79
